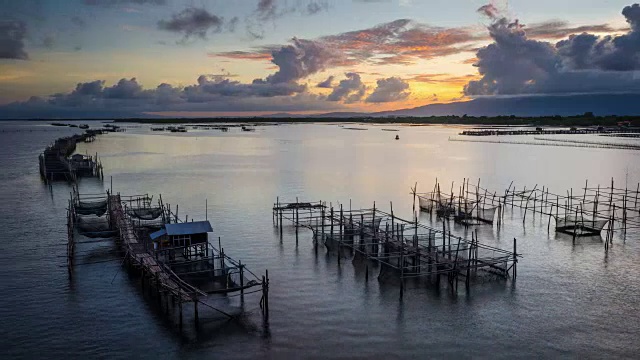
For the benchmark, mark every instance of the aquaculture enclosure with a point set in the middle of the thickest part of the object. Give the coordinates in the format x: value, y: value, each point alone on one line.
x: 186, y: 268
x: 399, y: 249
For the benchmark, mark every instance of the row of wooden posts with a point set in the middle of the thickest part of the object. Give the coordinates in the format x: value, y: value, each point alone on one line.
x: 393, y: 233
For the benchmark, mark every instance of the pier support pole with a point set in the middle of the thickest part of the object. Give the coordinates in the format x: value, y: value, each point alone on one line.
x: 195, y: 308
x: 241, y: 281
x: 515, y: 260
x: 180, y: 306
x: 401, y: 271
x: 266, y: 294
x: 322, y: 224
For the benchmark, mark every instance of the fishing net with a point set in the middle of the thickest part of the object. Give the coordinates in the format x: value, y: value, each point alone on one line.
x: 425, y: 204
x: 97, y: 208
x: 145, y: 213
x: 573, y: 222
x: 486, y: 214
x: 93, y: 226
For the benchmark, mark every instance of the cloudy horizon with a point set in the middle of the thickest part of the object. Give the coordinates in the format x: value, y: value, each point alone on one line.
x: 186, y: 58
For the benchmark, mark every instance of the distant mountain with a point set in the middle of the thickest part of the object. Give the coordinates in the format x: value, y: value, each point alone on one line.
x: 601, y: 105
x: 564, y: 105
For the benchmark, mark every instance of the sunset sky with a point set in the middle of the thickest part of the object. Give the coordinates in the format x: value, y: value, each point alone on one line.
x: 198, y: 58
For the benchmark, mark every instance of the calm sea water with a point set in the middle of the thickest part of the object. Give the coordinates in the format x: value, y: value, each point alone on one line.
x: 568, y: 301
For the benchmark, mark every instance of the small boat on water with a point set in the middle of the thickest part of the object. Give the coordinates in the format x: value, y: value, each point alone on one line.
x: 180, y: 129
x: 246, y: 128
x: 157, y: 129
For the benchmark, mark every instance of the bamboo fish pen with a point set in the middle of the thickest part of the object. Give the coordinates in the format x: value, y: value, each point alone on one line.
x: 401, y: 249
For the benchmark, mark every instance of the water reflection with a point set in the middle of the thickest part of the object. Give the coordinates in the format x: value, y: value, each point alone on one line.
x: 319, y: 306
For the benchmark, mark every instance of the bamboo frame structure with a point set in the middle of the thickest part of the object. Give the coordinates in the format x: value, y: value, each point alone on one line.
x: 130, y: 219
x: 473, y: 205
x: 402, y: 249
x: 585, y: 213
x: 55, y: 162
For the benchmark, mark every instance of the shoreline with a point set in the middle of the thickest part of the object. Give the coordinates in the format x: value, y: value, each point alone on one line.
x: 610, y: 121
x: 480, y: 121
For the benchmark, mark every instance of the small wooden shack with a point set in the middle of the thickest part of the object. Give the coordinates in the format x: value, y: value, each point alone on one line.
x: 186, y: 239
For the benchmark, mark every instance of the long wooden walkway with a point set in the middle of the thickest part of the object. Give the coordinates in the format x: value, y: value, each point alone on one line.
x: 157, y: 276
x: 136, y: 253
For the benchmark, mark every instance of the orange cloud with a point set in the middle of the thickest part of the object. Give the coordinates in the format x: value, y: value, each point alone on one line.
x: 403, y: 42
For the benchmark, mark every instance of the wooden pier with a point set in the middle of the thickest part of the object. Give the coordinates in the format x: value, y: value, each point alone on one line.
x: 552, y: 131
x: 129, y: 220
x: 57, y: 163
x: 400, y: 249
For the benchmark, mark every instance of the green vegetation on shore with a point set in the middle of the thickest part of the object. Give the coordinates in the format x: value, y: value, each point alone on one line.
x: 587, y: 119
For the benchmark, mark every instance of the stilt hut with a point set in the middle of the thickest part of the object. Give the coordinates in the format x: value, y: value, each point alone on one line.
x: 186, y: 240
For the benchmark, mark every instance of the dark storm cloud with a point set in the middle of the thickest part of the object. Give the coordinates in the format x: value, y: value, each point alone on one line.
x: 559, y: 29
x: 300, y: 59
x: 85, y: 94
x: 215, y: 86
x: 192, y: 22
x: 12, y: 36
x: 128, y: 98
x: 349, y: 90
x: 326, y: 84
x: 515, y: 64
x: 617, y: 53
x: 389, y: 90
x: 124, y: 89
x: 93, y: 88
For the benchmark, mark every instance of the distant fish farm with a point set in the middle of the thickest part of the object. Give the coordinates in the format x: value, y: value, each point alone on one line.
x: 57, y: 162
x: 587, y: 212
x: 553, y: 131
